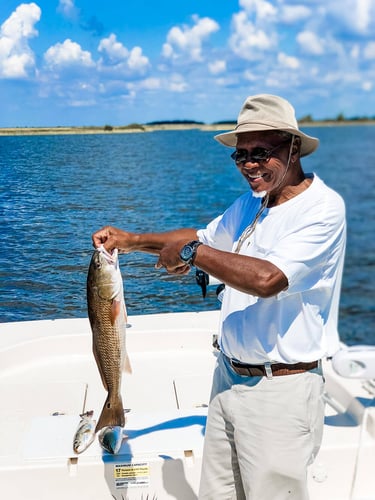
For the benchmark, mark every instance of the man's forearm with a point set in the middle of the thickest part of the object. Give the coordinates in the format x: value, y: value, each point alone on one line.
x: 154, y: 242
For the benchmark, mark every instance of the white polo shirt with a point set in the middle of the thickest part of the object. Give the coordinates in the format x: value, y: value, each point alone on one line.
x: 305, y: 238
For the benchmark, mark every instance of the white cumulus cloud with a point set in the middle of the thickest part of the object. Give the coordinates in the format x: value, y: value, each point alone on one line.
x: 68, y: 9
x: 17, y: 59
x: 247, y: 40
x: 356, y: 15
x: 137, y: 61
x: 150, y: 83
x: 295, y: 13
x: 116, y: 57
x: 288, y: 61
x: 261, y: 8
x: 112, y: 50
x: 310, y: 43
x: 217, y: 67
x: 188, y: 41
x: 369, y: 51
x: 367, y: 86
x: 176, y: 83
x: 67, y: 54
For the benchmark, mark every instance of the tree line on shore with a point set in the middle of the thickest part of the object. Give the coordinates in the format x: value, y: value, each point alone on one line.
x: 304, y: 119
x: 307, y: 118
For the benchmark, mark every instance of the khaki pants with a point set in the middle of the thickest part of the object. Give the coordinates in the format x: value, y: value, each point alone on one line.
x: 261, y: 435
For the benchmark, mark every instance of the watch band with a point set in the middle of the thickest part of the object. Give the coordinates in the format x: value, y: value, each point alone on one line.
x: 195, y: 245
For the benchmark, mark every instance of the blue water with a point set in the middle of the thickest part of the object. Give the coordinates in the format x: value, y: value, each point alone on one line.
x: 57, y: 190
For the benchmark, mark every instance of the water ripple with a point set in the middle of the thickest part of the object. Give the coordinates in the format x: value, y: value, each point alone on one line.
x: 56, y: 190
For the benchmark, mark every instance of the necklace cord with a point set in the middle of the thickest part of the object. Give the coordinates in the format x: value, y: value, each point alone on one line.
x: 248, y: 231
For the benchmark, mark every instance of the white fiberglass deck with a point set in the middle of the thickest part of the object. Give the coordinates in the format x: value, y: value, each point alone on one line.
x: 48, y: 376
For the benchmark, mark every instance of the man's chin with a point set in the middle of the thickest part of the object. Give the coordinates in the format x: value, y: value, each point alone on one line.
x: 259, y: 194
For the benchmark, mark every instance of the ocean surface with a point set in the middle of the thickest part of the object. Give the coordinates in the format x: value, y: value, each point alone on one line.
x: 57, y: 190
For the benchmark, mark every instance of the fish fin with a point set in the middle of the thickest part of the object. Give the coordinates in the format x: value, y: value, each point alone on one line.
x: 115, y: 310
x: 127, y: 367
x: 112, y: 414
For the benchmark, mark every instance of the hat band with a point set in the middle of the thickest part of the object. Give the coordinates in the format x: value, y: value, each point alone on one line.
x: 265, y: 126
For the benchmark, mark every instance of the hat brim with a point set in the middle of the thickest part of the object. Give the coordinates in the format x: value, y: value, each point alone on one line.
x: 308, y: 144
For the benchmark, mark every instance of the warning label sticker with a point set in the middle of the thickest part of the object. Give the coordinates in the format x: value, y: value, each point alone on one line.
x: 131, y: 475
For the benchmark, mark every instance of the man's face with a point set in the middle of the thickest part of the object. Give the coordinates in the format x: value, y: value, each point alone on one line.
x: 268, y: 174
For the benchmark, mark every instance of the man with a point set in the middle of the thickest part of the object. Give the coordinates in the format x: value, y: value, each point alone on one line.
x: 279, y: 249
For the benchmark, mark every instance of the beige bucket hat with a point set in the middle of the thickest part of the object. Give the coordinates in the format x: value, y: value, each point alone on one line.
x: 268, y: 112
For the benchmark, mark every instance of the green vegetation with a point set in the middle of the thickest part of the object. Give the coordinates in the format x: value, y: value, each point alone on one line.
x: 175, y: 122
x: 307, y: 118
x: 132, y: 126
x: 340, y: 118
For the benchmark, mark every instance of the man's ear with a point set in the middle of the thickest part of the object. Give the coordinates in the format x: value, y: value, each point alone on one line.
x: 296, y: 145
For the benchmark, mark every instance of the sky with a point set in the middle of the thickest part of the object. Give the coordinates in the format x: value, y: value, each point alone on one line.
x: 117, y: 62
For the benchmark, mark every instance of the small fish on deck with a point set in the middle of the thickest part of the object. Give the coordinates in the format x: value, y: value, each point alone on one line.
x: 85, y: 433
x: 110, y: 438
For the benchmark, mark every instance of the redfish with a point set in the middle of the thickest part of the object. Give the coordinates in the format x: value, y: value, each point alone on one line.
x: 107, y: 315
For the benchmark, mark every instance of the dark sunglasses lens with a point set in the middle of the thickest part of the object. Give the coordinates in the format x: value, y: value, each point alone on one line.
x: 257, y: 154
x: 239, y: 156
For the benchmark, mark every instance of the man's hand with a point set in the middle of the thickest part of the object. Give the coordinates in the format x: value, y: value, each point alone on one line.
x: 169, y: 258
x: 111, y: 238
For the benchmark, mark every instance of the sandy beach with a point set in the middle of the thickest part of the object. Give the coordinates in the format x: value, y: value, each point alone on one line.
x: 136, y: 128
x: 128, y: 129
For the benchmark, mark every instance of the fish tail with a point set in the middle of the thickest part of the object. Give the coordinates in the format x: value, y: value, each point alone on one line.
x: 112, y: 414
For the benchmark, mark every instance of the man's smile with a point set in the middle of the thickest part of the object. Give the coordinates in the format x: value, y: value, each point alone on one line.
x: 255, y: 175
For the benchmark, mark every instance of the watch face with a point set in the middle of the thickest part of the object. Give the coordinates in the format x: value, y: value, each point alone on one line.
x: 186, y: 253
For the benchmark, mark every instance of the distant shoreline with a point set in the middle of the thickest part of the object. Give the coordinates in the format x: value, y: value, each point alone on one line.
x: 136, y: 128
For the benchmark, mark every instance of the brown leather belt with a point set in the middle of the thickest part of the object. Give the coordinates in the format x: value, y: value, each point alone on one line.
x: 277, y: 369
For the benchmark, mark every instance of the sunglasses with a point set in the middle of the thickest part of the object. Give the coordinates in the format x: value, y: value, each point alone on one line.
x: 256, y: 155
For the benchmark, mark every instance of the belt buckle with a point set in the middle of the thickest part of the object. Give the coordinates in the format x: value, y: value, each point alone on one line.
x: 268, y: 370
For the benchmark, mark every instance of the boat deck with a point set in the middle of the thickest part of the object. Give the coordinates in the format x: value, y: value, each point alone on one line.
x: 48, y: 377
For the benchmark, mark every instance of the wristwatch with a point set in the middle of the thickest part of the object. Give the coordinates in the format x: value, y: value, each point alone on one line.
x: 188, y: 252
